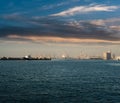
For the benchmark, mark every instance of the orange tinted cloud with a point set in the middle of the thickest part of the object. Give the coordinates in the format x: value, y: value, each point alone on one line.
x: 49, y: 39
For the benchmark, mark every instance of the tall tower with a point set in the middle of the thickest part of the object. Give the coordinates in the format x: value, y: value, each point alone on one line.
x: 107, y: 55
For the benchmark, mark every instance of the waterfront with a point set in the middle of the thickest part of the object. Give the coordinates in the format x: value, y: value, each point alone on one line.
x: 65, y: 81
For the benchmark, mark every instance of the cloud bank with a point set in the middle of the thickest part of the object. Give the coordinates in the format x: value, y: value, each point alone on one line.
x: 52, y: 30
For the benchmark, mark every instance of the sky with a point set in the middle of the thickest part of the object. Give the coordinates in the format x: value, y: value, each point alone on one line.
x: 56, y: 27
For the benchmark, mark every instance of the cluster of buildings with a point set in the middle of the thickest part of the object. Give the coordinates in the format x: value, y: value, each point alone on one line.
x: 106, y: 56
x: 109, y: 56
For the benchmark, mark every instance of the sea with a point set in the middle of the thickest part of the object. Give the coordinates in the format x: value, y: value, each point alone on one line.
x: 59, y: 81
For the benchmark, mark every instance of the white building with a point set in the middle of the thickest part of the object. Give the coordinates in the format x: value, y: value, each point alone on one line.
x: 118, y: 58
x: 28, y: 57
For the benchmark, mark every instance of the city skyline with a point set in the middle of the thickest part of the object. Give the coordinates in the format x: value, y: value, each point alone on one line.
x: 71, y: 27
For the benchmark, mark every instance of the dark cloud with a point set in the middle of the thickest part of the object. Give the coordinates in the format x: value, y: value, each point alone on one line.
x: 47, y: 26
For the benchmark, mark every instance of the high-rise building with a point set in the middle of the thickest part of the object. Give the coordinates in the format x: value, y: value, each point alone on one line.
x: 107, y: 55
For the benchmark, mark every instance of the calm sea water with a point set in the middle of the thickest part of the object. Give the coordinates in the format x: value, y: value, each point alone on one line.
x: 81, y: 81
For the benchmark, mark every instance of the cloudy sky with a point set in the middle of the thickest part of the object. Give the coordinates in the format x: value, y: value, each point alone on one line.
x: 56, y: 27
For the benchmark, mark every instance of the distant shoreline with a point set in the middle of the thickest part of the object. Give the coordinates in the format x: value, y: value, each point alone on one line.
x: 4, y: 59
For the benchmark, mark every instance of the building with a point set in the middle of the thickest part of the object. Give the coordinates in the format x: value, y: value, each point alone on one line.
x: 107, y: 55
x: 118, y: 58
x: 28, y: 57
x: 113, y: 57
